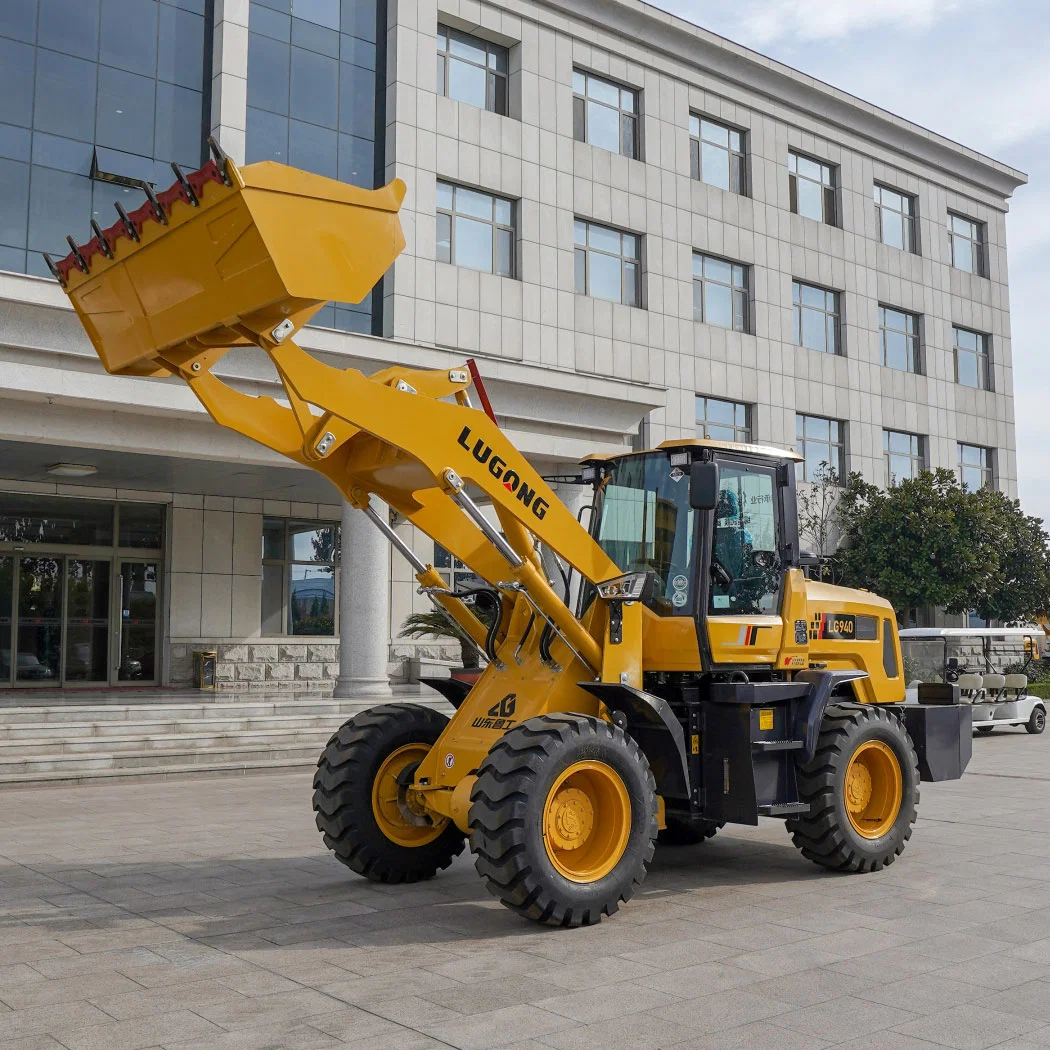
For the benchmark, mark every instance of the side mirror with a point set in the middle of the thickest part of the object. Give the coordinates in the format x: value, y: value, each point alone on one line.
x: 808, y: 560
x: 703, y: 486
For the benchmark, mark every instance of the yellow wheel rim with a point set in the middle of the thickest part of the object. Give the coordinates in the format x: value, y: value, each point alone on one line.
x: 385, y: 809
x: 586, y: 821
x: 873, y: 788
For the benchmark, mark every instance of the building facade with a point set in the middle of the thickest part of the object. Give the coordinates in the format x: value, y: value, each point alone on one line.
x: 639, y: 230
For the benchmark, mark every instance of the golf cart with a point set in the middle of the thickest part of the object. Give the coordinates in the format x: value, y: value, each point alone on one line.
x: 976, y: 659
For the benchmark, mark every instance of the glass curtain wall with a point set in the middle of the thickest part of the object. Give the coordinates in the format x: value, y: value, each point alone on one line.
x: 98, y: 97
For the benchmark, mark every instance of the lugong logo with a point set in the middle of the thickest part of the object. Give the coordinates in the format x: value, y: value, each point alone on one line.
x: 497, y: 466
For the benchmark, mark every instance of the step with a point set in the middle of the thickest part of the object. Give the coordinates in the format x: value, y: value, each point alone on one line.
x: 174, y: 772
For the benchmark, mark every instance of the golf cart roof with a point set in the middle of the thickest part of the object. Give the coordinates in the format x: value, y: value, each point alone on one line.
x: 971, y: 632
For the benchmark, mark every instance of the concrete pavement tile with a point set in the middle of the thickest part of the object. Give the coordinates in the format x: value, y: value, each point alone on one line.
x: 955, y: 947
x: 844, y: 1018
x: 1034, y: 951
x: 712, y: 1013
x: 630, y: 1032
x: 817, y: 951
x: 613, y: 1000
x: 68, y: 990
x: 483, y: 966
x: 758, y: 1035
x: 297, y: 1035
x: 924, y: 993
x: 681, y: 953
x: 31, y: 1042
x: 969, y: 1027
x: 145, y: 1002
x: 690, y: 982
x: 1031, y: 999
x: 411, y: 1011
x: 892, y: 963
x: 39, y: 1019
x: 755, y: 938
x: 257, y: 982
x: 18, y: 974
x: 139, y: 1033
x: 244, y: 1012
x: 483, y: 996
x: 998, y: 971
x: 808, y: 987
x: 886, y: 1040
x: 498, y: 1028
x: 348, y: 1023
x: 388, y: 986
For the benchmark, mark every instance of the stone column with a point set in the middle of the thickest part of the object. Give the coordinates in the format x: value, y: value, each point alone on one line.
x: 364, y: 606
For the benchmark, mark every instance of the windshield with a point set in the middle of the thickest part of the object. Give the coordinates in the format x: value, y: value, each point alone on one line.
x: 924, y: 659
x: 645, y: 522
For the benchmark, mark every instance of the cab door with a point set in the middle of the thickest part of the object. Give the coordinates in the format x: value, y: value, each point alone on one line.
x: 743, y: 589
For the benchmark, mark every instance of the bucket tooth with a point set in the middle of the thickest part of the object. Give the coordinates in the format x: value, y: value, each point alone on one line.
x: 185, y: 184
x: 78, y: 258
x: 129, y: 226
x: 220, y: 157
x: 158, y: 210
x: 104, y: 244
x: 54, y: 269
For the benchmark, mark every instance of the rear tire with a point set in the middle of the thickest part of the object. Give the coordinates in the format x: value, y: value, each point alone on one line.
x: 563, y: 819
x: 1036, y: 722
x: 357, y: 816
x: 681, y: 831
x: 861, y: 822
x: 985, y: 729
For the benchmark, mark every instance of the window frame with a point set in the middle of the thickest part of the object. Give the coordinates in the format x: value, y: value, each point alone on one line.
x: 585, y: 249
x: 287, y: 562
x: 909, y: 227
x: 580, y: 122
x: 493, y: 53
x: 740, y: 294
x: 829, y: 189
x: 497, y: 227
x: 832, y: 317
x: 737, y: 155
x: 918, y: 457
x: 913, y: 338
x: 982, y: 355
x: 986, y: 467
x: 836, y: 444
x: 977, y: 244
x: 741, y: 431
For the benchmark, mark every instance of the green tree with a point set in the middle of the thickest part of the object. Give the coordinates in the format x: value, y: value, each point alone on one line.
x: 818, y: 519
x: 925, y: 541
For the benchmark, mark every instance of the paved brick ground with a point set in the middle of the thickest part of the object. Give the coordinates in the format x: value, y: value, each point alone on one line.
x: 206, y: 913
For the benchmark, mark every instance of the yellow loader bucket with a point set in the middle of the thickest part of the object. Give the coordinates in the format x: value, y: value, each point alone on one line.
x: 260, y: 248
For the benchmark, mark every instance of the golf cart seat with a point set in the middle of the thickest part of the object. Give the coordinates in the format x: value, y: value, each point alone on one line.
x: 994, y: 686
x: 970, y: 687
x: 1016, y: 684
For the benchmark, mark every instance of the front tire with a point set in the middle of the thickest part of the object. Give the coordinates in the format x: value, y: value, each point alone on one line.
x: 360, y: 802
x: 863, y: 789
x: 1036, y: 722
x: 563, y: 819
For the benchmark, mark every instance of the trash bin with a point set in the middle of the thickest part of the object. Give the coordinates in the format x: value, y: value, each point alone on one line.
x: 204, y: 668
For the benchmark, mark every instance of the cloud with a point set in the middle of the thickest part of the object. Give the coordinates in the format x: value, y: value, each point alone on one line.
x: 763, y: 21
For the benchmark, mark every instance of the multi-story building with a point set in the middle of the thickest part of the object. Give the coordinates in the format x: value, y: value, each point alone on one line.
x: 640, y: 231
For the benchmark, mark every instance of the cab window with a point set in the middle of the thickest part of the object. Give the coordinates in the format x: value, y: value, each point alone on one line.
x: 745, y: 563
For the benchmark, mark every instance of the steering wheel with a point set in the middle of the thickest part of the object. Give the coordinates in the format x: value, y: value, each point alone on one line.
x: 951, y: 674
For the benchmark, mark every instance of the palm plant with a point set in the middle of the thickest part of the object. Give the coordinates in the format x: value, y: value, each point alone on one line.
x: 433, y: 624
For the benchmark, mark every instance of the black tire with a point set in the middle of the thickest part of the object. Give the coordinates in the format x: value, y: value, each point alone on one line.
x: 1036, y: 722
x: 825, y: 834
x: 985, y: 729
x: 509, y: 806
x: 681, y: 831
x: 342, y: 799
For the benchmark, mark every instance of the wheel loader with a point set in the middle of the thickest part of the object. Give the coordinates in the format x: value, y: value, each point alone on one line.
x: 657, y: 674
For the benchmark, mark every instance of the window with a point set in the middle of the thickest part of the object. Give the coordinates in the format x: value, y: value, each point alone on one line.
x: 716, y: 154
x: 607, y: 264
x: 975, y: 467
x: 972, y: 365
x: 966, y: 243
x: 904, y: 455
x: 116, y: 87
x: 604, y: 114
x: 745, y: 575
x: 472, y: 70
x: 475, y: 229
x: 299, y: 580
x: 452, y: 570
x: 312, y: 92
x: 816, y: 316
x: 719, y: 292
x: 899, y: 339
x: 896, y: 214
x: 718, y: 420
x: 820, y: 442
x: 811, y: 185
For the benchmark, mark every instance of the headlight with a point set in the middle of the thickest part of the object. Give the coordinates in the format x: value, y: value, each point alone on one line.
x: 629, y: 588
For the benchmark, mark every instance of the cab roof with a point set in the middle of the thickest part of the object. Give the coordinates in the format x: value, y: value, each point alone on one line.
x: 766, y: 451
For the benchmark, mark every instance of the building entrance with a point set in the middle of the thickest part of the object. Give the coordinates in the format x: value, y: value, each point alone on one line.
x: 71, y: 617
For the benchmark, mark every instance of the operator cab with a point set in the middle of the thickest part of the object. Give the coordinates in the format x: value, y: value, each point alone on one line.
x: 713, y: 522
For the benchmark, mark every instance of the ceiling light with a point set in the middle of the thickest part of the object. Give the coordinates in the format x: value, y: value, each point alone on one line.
x: 71, y: 470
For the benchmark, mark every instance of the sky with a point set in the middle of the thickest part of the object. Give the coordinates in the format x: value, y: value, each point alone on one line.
x: 975, y: 71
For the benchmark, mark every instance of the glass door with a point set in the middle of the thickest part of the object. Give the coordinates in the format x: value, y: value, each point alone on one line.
x: 7, y: 601
x: 87, y: 620
x: 38, y: 648
x: 137, y: 643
